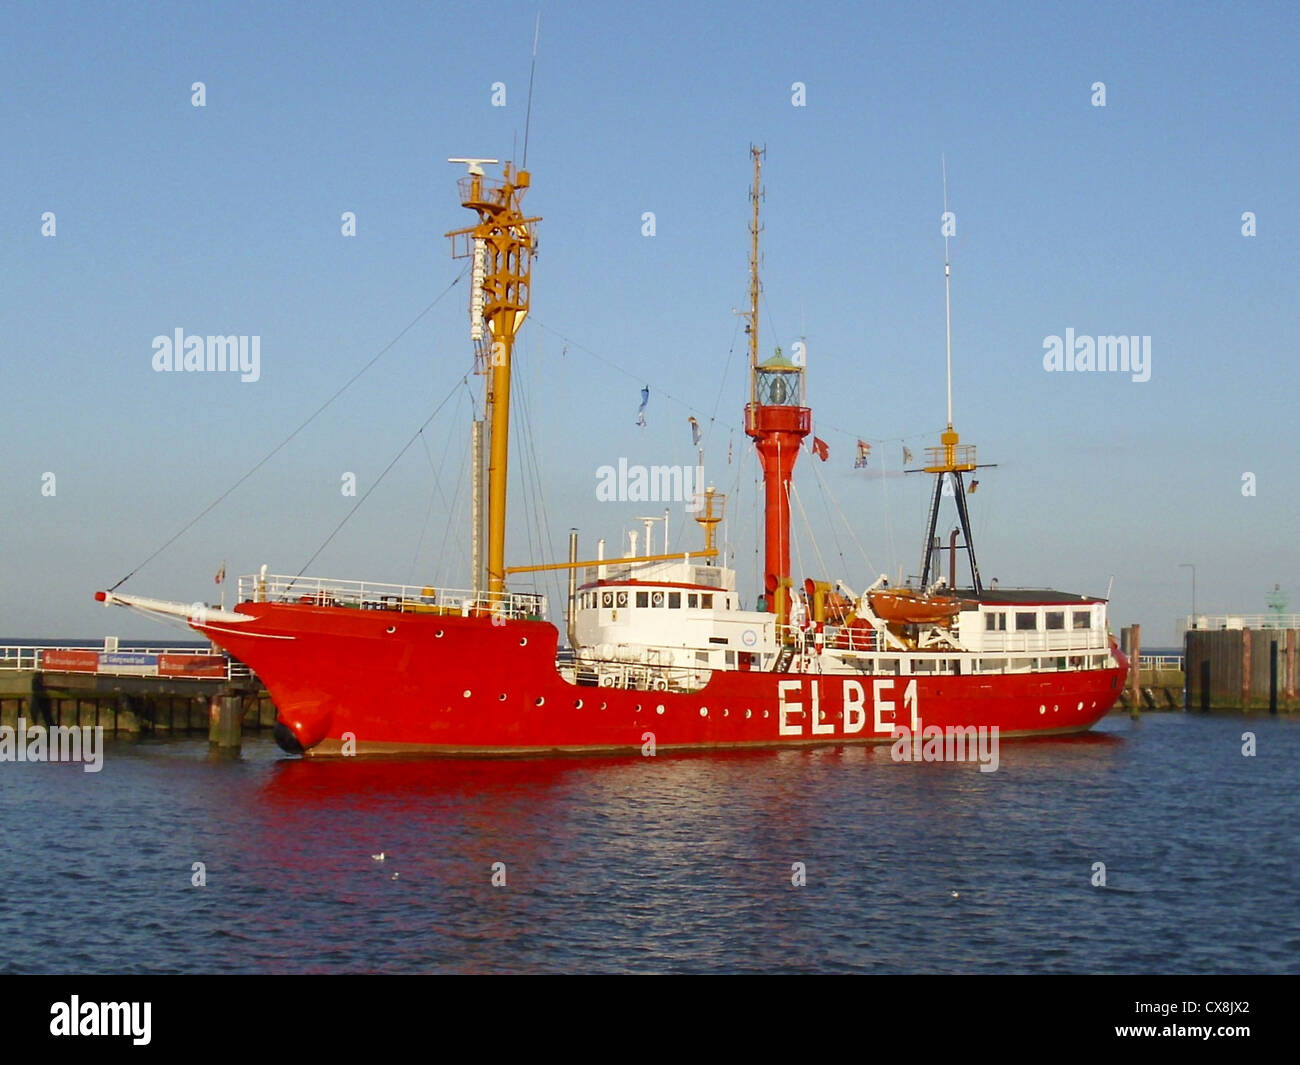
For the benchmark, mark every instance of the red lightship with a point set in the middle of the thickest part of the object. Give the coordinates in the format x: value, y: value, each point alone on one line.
x: 659, y: 644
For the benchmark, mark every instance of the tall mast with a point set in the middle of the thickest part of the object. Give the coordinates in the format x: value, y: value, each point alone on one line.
x: 502, y: 246
x: 777, y: 421
x: 947, y: 286
x: 952, y: 458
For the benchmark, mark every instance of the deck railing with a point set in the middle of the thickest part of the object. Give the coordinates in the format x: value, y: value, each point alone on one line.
x: 371, y: 595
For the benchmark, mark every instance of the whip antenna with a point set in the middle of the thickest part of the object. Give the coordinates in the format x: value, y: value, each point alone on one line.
x: 528, y: 114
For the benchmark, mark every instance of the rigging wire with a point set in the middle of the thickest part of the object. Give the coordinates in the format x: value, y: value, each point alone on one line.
x: 812, y: 538
x: 830, y: 522
x: 435, y: 492
x: 312, y: 417
x: 378, y: 480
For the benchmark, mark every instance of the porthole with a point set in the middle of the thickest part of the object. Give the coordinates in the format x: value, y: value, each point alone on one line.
x: 540, y: 701
x: 747, y: 713
x: 1080, y: 706
x: 704, y: 711
x: 391, y: 629
x: 603, y: 705
x: 577, y: 704
x: 659, y: 709
x: 725, y: 712
x: 502, y: 697
x: 466, y: 693
x: 523, y: 641
x: 1042, y: 709
x: 437, y: 635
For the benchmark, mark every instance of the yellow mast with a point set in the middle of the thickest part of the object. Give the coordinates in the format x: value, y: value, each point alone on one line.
x: 501, y: 245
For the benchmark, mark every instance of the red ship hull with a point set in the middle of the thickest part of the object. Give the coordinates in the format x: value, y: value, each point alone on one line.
x: 394, y: 682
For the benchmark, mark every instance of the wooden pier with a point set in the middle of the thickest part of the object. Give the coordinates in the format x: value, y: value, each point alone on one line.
x: 219, y: 697
x: 1244, y: 662
x: 1229, y: 662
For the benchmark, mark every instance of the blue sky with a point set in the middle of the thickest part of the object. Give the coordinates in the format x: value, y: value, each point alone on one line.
x: 225, y: 219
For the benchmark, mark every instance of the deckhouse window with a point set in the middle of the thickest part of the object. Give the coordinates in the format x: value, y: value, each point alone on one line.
x: 607, y: 600
x: 642, y: 598
x: 692, y: 600
x: 657, y: 598
x: 1026, y: 621
x: 622, y: 598
x: 996, y: 621
x: 1083, y: 619
x: 674, y: 600
x: 1055, y: 619
x: 706, y: 601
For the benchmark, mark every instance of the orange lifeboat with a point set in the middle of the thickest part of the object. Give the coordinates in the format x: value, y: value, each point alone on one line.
x: 913, y: 608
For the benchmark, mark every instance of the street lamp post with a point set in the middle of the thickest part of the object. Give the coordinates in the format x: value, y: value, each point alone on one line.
x: 1192, y: 567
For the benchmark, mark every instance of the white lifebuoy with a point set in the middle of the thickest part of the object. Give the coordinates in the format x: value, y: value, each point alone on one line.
x: 659, y: 684
x: 608, y: 680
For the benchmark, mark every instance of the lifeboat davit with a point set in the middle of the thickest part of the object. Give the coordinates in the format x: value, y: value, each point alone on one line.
x: 913, y: 608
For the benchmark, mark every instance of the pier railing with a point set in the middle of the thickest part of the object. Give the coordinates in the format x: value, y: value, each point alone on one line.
x: 1219, y: 622
x: 118, y: 661
x: 371, y: 595
x: 1161, y: 662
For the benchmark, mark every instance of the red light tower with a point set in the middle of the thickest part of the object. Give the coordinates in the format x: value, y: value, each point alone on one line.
x: 777, y: 421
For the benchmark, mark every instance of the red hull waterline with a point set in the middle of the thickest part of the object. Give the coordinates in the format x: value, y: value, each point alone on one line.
x: 393, y: 682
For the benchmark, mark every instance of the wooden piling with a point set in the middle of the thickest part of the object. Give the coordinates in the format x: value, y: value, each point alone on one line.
x: 1245, y: 668
x: 1272, y: 677
x: 225, y: 722
x: 1134, y: 654
x: 1290, y: 665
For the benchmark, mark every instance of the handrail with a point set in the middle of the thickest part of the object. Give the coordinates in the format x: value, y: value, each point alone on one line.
x: 1161, y: 662
x: 28, y: 657
x: 375, y: 595
x: 1220, y: 622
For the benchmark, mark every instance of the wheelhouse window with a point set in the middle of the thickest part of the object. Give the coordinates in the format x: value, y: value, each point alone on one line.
x: 706, y: 601
x: 1083, y: 619
x: 995, y: 622
x: 1055, y: 619
x: 1026, y: 621
x: 692, y: 600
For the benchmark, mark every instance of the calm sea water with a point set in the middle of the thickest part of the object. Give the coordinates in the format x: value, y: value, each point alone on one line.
x: 666, y: 864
